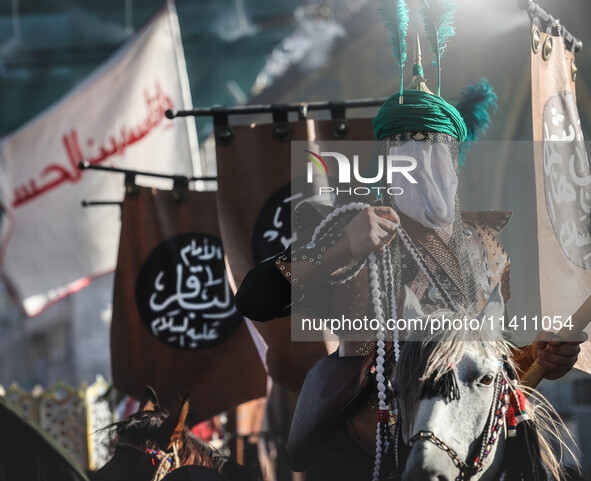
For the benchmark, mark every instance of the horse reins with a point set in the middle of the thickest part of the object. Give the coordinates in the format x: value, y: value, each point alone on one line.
x: 493, y: 426
x: 350, y: 272
x: 167, y: 460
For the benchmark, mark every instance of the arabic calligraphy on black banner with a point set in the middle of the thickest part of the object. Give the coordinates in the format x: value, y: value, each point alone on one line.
x: 567, y: 178
x: 182, y: 293
x: 272, y: 230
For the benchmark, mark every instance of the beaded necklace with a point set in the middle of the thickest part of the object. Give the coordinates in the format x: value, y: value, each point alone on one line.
x: 385, y: 411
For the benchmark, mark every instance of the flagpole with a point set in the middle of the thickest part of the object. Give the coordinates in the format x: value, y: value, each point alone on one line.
x: 547, y: 22
x: 179, y: 54
x: 132, y: 173
x: 302, y: 108
x: 180, y: 182
x: 580, y: 320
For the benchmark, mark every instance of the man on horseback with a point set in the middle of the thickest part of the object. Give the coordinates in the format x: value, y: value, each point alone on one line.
x: 444, y: 256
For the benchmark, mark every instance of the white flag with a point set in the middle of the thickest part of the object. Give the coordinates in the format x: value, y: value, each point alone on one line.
x: 51, y: 246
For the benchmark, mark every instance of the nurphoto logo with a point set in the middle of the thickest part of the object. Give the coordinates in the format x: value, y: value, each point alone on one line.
x: 386, y: 164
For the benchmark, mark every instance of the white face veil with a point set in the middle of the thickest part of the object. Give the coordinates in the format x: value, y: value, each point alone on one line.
x: 431, y: 201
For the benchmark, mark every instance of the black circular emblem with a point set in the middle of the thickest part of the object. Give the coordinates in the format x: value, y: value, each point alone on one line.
x: 272, y: 232
x: 182, y: 292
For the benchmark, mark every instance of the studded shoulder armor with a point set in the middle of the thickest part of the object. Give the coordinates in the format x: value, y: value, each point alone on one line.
x: 490, y: 261
x: 307, y: 262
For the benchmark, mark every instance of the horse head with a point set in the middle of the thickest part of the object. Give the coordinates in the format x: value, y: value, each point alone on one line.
x: 149, y: 444
x: 452, y: 391
x: 140, y: 438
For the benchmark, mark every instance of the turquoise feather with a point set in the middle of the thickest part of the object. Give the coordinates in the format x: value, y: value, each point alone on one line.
x: 395, y: 15
x: 476, y: 104
x: 438, y: 19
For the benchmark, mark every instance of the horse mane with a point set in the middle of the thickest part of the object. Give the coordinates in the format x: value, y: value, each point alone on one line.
x: 431, y: 360
x: 431, y: 357
x: 552, y: 432
x: 141, y: 429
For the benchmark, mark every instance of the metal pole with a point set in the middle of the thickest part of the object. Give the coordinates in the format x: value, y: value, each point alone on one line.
x: 93, y: 203
x: 270, y: 108
x: 130, y: 172
x: 549, y: 22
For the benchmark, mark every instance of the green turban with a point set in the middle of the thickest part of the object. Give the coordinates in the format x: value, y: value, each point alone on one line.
x: 420, y: 112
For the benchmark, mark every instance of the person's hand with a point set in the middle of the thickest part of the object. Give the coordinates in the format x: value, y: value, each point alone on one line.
x: 557, y: 356
x: 371, y: 229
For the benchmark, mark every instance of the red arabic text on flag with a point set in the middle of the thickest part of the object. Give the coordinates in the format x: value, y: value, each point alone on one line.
x: 52, y: 247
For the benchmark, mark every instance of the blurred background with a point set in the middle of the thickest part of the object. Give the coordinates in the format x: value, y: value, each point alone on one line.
x: 262, y: 51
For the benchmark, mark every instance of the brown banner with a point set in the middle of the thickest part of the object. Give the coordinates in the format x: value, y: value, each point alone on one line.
x: 563, y: 184
x: 174, y: 325
x: 254, y: 174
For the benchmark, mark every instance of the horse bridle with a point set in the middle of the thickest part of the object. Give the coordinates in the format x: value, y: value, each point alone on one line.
x: 167, y: 460
x: 493, y: 426
x: 496, y: 414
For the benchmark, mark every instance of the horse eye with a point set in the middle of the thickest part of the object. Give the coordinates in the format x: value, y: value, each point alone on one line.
x: 486, y: 380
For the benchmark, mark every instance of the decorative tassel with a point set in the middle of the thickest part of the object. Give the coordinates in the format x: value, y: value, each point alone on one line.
x: 476, y: 104
x: 438, y: 18
x: 523, y: 460
x: 395, y: 16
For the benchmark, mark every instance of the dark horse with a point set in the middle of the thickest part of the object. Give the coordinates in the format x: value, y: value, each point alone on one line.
x: 149, y: 444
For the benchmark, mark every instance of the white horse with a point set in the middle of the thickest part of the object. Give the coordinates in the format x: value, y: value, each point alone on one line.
x: 452, y: 391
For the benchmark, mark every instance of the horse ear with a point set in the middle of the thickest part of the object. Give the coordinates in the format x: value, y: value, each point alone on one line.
x: 411, y: 309
x: 149, y: 401
x: 172, y: 427
x: 494, y: 307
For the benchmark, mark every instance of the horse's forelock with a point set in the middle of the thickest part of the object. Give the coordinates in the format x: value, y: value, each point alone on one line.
x: 445, y: 348
x: 142, y: 428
